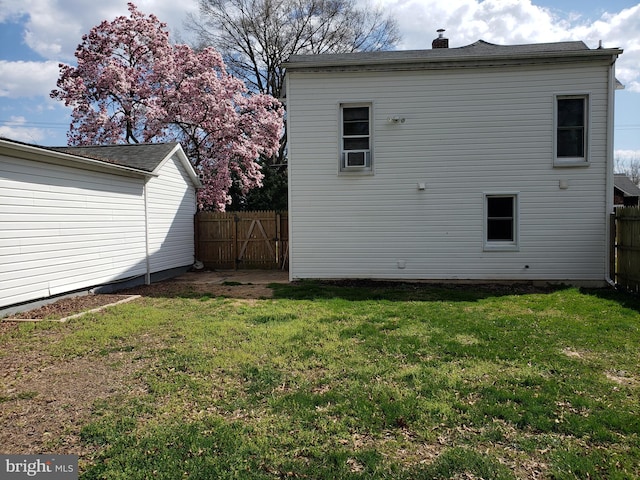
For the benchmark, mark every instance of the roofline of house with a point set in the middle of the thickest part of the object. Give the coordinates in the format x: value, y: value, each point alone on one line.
x: 455, y: 57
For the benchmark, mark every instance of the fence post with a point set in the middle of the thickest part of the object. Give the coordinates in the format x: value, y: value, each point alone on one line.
x: 278, y: 228
x: 196, y: 237
x: 612, y: 247
x: 234, y: 242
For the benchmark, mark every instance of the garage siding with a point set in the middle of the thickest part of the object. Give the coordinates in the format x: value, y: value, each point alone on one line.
x: 64, y: 228
x: 171, y: 207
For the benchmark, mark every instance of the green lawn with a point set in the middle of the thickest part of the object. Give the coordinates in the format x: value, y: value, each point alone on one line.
x: 363, y: 382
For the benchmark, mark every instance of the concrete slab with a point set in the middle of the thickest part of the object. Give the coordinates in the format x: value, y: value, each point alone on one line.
x: 245, y: 277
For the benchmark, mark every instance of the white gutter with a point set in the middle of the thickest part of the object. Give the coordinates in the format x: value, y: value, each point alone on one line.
x: 609, y: 171
x: 147, y: 276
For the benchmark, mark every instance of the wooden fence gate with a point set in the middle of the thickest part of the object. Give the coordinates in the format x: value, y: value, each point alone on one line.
x: 232, y: 240
x: 626, y: 238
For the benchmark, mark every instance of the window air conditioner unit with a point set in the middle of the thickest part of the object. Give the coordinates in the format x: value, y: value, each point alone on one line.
x: 357, y: 159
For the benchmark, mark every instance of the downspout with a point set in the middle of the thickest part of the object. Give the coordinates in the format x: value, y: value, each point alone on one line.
x: 147, y: 276
x: 609, y: 171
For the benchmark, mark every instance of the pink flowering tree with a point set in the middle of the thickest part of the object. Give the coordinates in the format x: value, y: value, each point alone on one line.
x: 131, y: 85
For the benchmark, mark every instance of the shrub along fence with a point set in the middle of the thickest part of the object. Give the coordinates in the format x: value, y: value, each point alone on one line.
x: 626, y: 248
x: 232, y: 240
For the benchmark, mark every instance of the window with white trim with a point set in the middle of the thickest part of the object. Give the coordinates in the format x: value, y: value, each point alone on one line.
x: 571, y: 137
x: 355, y: 138
x: 501, y: 221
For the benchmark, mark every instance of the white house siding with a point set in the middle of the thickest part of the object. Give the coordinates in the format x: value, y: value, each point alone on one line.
x: 171, y: 206
x: 65, y: 228
x: 467, y: 132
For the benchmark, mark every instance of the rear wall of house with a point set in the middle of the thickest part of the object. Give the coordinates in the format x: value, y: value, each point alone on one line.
x: 466, y: 133
x: 64, y: 229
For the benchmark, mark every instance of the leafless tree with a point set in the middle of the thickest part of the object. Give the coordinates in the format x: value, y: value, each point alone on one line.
x: 257, y: 36
x: 628, y: 162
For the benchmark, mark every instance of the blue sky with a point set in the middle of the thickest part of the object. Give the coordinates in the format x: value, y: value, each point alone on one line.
x: 36, y: 35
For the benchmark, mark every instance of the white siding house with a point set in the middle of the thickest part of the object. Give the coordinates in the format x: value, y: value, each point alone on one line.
x: 483, y: 162
x: 74, y: 218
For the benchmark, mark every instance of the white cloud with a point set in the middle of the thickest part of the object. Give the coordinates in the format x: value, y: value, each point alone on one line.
x: 17, y: 129
x: 54, y: 29
x: 622, y: 30
x: 626, y: 156
x: 9, y: 10
x: 518, y: 21
x: 495, y: 21
x: 27, y: 79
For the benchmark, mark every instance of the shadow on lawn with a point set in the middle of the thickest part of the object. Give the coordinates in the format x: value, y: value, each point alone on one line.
x: 362, y: 290
x: 351, y: 290
x: 625, y: 299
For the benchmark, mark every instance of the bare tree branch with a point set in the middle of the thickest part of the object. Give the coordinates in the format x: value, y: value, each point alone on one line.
x: 257, y: 36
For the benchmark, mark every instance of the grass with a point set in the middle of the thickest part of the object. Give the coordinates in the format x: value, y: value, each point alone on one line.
x: 366, y: 382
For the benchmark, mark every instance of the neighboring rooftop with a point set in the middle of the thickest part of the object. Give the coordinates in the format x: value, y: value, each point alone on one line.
x: 625, y: 185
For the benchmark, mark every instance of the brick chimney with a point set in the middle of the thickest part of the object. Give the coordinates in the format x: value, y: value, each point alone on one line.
x: 440, y: 42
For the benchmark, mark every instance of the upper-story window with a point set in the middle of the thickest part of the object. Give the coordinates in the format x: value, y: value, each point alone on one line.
x: 355, y: 138
x: 571, y: 142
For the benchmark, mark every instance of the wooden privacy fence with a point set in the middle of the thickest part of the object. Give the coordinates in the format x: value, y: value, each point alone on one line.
x: 232, y: 240
x: 626, y: 239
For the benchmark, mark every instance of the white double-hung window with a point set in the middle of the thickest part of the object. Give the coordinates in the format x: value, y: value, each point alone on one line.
x: 571, y: 139
x: 501, y: 221
x: 355, y: 138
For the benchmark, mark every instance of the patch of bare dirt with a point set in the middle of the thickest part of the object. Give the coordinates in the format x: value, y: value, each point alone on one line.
x: 174, y: 289
x: 622, y: 377
x: 68, y: 306
x: 45, y: 401
x: 72, y: 305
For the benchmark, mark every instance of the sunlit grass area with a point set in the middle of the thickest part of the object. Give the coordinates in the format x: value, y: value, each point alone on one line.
x: 331, y: 381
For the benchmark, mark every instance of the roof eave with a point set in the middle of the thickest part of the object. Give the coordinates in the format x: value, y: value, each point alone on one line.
x: 625, y: 193
x: 454, y: 60
x: 33, y: 152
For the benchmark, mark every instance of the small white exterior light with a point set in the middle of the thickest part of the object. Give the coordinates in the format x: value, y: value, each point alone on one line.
x: 563, y: 184
x: 422, y: 186
x: 396, y: 119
